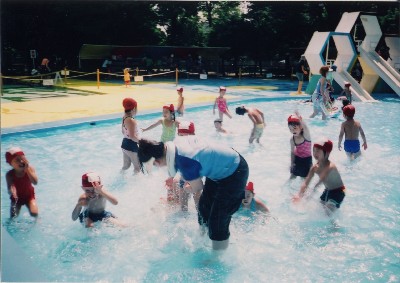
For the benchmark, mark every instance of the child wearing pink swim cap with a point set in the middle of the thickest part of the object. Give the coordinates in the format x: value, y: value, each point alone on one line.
x: 19, y: 182
x: 351, y: 129
x: 329, y: 175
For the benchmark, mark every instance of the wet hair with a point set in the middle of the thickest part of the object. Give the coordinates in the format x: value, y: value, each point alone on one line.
x: 240, y: 110
x: 345, y: 102
x: 324, y: 70
x: 150, y: 148
x: 218, y: 121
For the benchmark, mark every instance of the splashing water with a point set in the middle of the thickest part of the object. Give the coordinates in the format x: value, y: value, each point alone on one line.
x: 296, y: 243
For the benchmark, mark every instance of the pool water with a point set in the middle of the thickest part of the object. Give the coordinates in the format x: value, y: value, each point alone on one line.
x: 296, y: 243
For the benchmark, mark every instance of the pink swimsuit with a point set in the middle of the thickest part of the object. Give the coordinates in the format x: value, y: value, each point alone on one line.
x: 221, y: 105
x: 302, y: 150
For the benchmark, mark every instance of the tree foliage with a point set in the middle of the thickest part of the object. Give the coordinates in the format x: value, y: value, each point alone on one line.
x: 260, y: 30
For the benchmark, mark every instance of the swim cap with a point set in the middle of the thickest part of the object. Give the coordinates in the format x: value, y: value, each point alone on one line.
x: 169, y: 107
x: 129, y: 104
x: 12, y: 153
x: 347, y: 84
x: 186, y: 128
x: 222, y: 88
x: 293, y: 119
x: 349, y: 110
x: 250, y: 187
x: 325, y: 144
x: 179, y: 88
x: 89, y: 178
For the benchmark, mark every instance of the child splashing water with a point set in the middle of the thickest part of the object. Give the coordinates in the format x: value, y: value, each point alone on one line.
x: 19, y: 183
x: 329, y: 175
x: 300, y: 147
x: 220, y: 101
x: 93, y: 200
x: 168, y: 123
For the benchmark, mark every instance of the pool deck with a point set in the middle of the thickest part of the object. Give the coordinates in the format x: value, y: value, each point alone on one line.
x: 44, y: 108
x: 107, y: 100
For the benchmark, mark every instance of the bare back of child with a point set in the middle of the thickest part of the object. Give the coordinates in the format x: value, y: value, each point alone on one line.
x: 351, y: 129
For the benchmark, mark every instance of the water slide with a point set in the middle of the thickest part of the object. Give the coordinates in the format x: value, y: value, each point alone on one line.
x: 380, y: 67
x: 358, y: 93
x: 374, y: 67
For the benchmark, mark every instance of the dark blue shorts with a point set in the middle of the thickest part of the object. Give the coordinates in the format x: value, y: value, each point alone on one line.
x: 129, y: 145
x: 220, y: 200
x: 352, y: 146
x: 300, y: 76
x: 95, y: 216
x: 335, y: 196
x: 301, y: 166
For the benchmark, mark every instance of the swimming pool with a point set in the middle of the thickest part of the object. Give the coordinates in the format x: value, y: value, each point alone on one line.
x: 297, y: 243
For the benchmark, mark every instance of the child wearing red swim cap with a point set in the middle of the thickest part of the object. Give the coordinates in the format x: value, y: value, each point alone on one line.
x: 168, y: 123
x: 252, y: 203
x: 300, y: 147
x: 19, y: 182
x: 93, y: 201
x: 130, y: 130
x: 351, y: 129
x: 329, y: 175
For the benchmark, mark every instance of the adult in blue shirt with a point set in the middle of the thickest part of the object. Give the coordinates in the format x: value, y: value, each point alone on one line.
x: 225, y: 172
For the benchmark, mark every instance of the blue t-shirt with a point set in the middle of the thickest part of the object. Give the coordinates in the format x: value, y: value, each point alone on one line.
x: 196, y: 158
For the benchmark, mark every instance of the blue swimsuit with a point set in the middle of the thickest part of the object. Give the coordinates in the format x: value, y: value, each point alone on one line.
x: 352, y: 146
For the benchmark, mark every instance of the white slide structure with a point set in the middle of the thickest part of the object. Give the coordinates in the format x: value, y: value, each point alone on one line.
x: 358, y: 93
x: 381, y: 68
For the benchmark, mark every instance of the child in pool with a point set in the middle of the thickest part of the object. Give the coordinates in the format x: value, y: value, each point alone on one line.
x: 347, y: 93
x: 351, y: 129
x: 257, y: 117
x: 127, y: 77
x: 168, y: 123
x: 220, y: 101
x: 250, y: 202
x: 329, y: 175
x: 300, y: 147
x: 218, y: 126
x: 180, y: 106
x: 131, y: 137
x: 175, y: 185
x: 94, y: 201
x: 19, y: 182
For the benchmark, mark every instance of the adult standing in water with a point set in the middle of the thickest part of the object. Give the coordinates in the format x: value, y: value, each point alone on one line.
x: 130, y: 131
x: 319, y: 96
x: 225, y: 171
x: 301, y: 72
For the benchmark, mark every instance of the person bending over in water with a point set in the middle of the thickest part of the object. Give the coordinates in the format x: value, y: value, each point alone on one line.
x: 257, y: 117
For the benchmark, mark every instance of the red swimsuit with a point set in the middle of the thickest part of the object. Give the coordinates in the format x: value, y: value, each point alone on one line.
x: 25, y: 190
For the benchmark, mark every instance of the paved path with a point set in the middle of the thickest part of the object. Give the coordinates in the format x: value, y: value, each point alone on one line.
x: 97, y: 102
